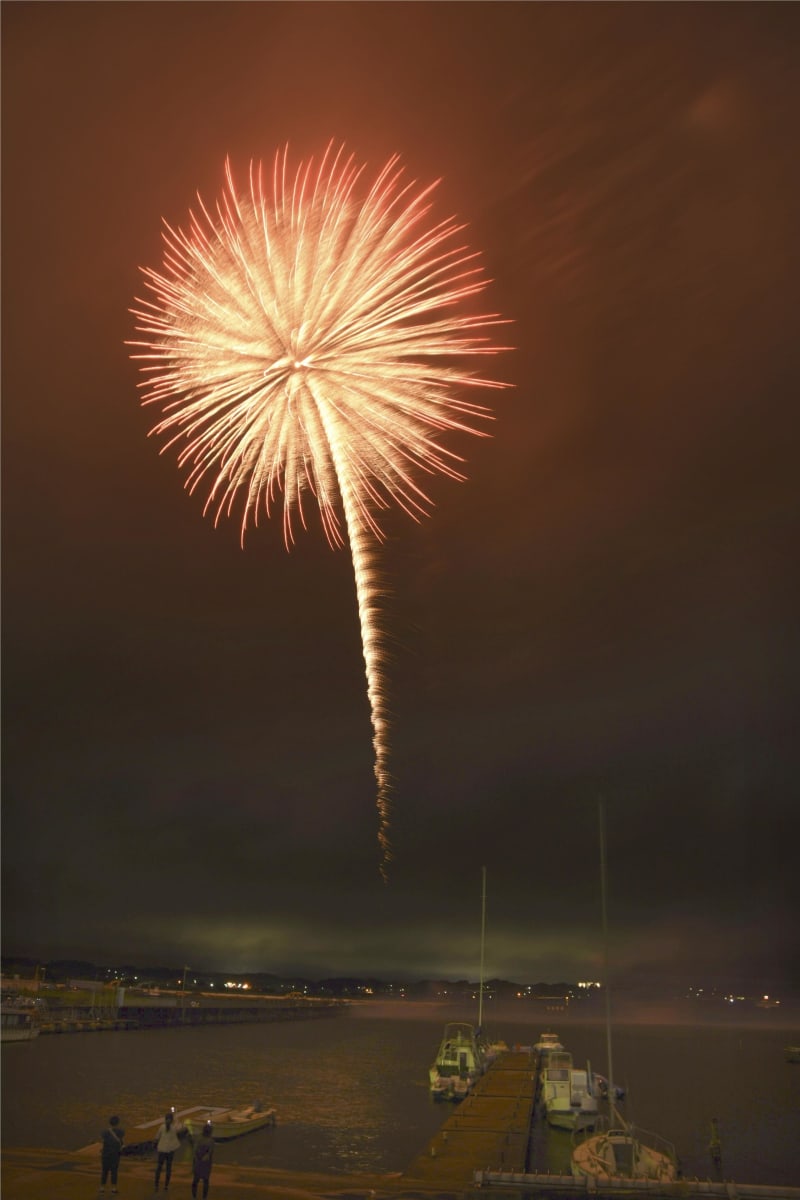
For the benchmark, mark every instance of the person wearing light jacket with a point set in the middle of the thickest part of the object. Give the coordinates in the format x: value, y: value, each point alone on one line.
x: 167, y: 1142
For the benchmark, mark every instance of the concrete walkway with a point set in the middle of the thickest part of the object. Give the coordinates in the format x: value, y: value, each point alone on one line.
x: 54, y: 1175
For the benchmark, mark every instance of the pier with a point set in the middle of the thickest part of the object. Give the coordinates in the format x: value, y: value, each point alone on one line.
x: 491, y: 1126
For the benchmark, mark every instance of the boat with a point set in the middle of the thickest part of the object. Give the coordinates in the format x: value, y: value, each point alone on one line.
x: 546, y: 1043
x: 226, y: 1123
x: 624, y: 1152
x: 616, y: 1149
x: 568, y: 1094
x: 792, y: 1054
x: 489, y: 1049
x: 17, y: 1025
x: 458, y: 1062
x: 229, y: 1123
x: 465, y: 1052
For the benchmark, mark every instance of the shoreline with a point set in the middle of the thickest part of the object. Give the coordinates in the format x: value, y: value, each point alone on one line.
x: 30, y: 1173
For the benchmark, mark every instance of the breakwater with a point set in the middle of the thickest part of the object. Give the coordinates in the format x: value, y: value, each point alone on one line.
x: 170, y: 1012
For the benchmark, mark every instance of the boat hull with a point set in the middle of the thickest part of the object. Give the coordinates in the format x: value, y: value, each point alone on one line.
x: 624, y: 1154
x: 567, y: 1094
x: 232, y: 1123
x: 458, y: 1063
x: 574, y: 1120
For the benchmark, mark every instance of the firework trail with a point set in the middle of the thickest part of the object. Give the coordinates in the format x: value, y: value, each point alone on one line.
x: 304, y: 338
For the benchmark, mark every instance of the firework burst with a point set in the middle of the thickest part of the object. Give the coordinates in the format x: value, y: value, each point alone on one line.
x: 304, y: 339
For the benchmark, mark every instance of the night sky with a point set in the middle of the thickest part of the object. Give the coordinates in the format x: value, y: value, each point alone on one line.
x: 607, y: 607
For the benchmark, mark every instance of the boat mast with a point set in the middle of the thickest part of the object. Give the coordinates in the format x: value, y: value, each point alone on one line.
x: 603, y: 871
x: 483, y: 944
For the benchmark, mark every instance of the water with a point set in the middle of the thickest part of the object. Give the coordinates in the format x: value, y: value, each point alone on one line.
x: 351, y: 1092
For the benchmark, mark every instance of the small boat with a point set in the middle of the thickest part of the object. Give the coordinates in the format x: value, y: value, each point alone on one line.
x: 547, y: 1042
x: 568, y: 1094
x: 622, y: 1152
x: 458, y: 1062
x: 229, y: 1123
x: 792, y: 1054
x: 17, y: 1025
x: 491, y: 1051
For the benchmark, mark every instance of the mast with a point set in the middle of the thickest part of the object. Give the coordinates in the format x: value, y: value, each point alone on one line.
x: 483, y: 945
x: 603, y: 871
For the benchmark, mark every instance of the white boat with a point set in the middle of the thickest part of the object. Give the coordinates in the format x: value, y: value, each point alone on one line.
x: 568, y: 1094
x: 617, y: 1150
x: 491, y: 1051
x: 17, y: 1025
x: 547, y: 1042
x: 228, y: 1123
x: 458, y: 1062
x: 623, y: 1152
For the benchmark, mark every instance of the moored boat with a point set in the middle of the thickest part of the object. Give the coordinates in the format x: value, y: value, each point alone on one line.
x: 491, y: 1051
x: 623, y: 1152
x: 17, y: 1025
x: 226, y: 1123
x: 792, y: 1054
x: 568, y: 1094
x: 458, y: 1062
x: 616, y: 1150
x: 547, y: 1042
x: 229, y: 1123
x: 465, y: 1052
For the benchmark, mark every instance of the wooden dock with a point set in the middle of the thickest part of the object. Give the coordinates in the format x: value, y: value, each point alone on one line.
x: 489, y: 1130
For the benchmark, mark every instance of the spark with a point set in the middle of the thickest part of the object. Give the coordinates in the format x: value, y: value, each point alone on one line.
x: 306, y: 338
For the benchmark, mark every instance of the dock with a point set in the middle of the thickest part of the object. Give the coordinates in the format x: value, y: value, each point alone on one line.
x: 490, y: 1127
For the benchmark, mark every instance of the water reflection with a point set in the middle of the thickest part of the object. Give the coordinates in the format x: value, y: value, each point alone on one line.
x: 352, y: 1094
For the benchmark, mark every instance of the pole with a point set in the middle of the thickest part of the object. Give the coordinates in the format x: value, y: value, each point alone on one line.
x: 603, y: 889
x: 483, y: 944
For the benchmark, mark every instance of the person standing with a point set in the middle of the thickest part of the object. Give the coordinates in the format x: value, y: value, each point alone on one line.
x: 167, y: 1142
x: 111, y: 1141
x: 203, y: 1159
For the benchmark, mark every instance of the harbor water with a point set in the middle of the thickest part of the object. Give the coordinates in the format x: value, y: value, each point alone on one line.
x: 351, y: 1092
